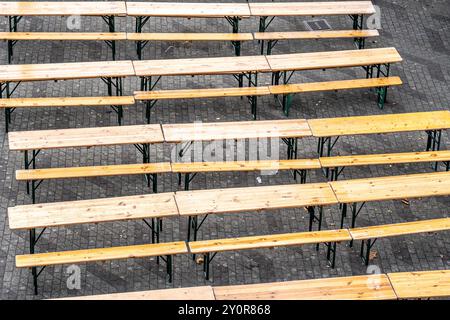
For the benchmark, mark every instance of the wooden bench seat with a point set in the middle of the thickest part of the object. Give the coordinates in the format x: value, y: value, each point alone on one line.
x: 298, y: 166
x: 100, y: 254
x: 186, y: 36
x: 289, y: 89
x: 66, y: 102
x: 340, y: 288
x: 272, y: 38
x: 369, y: 235
x: 421, y: 284
x: 263, y: 165
x: 209, y: 248
x: 44, y: 215
x: 201, y: 93
x: 64, y: 36
x: 338, y: 163
x: 398, y: 229
x: 323, y: 34
x: 268, y: 241
x: 93, y: 171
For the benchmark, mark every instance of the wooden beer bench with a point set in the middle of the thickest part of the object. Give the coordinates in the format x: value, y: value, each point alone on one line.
x: 142, y: 39
x: 16, y: 10
x: 376, y: 63
x: 273, y: 38
x: 191, y: 169
x: 335, y: 165
x: 141, y: 136
x: 238, y: 200
x: 143, y: 11
x: 369, y: 235
x: 352, y: 192
x: 115, y: 102
x: 29, y: 217
x: 209, y: 248
x: 111, y: 72
x: 329, y: 130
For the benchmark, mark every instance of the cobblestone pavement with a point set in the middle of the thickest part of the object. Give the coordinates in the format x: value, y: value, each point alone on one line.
x: 418, y: 29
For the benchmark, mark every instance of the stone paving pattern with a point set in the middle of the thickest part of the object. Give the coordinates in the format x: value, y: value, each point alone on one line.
x: 418, y: 29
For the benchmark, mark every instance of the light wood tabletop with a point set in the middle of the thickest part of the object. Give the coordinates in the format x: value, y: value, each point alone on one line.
x: 323, y: 34
x: 296, y: 128
x: 85, y: 137
x: 67, y: 213
x: 234, y: 200
x: 65, y: 71
x: 66, y: 8
x: 392, y: 187
x: 187, y: 36
x: 311, y: 8
x: 332, y: 59
x: 421, y: 284
x: 388, y: 123
x: 187, y: 10
x: 367, y: 287
x: 201, y: 66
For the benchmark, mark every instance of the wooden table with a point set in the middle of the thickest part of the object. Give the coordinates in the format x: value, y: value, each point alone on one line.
x: 238, y: 200
x: 16, y: 10
x: 288, y: 130
x: 431, y: 122
x: 111, y: 72
x: 388, y: 188
x: 370, y: 287
x: 421, y: 284
x: 355, y: 9
x: 139, y: 135
x: 143, y: 11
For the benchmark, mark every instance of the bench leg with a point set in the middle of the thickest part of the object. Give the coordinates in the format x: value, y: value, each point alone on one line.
x: 365, y: 256
x: 287, y: 102
x: 434, y: 143
x: 169, y: 267
x: 343, y: 214
x: 382, y: 94
x: 331, y: 253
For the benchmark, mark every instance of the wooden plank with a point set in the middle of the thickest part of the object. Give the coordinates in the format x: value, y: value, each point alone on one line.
x: 332, y: 59
x: 67, y: 8
x: 392, y: 187
x: 187, y: 10
x: 201, y: 93
x: 335, y: 85
x: 65, y: 71
x: 388, y: 123
x: 324, y: 34
x: 387, y: 158
x: 201, y: 66
x: 100, y: 254
x: 369, y: 287
x: 158, y: 205
x: 66, y: 102
x: 197, y: 36
x: 269, y: 241
x: 262, y: 165
x: 235, y: 200
x: 175, y: 133
x: 398, y: 229
x: 64, y: 36
x: 311, y: 8
x: 85, y: 137
x: 93, y: 171
x: 192, y: 293
x: 421, y: 284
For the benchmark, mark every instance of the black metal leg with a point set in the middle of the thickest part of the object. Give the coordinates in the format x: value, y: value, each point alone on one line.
x: 206, y: 265
x: 169, y: 267
x: 343, y: 213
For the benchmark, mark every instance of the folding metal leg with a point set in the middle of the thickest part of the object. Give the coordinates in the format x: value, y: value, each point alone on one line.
x: 365, y: 256
x: 207, y: 258
x: 434, y: 143
x: 326, y: 141
x: 331, y: 253
x: 313, y: 217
